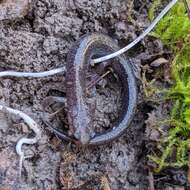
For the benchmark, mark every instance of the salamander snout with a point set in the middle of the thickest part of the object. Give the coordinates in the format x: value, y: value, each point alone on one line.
x: 82, y: 136
x: 82, y: 123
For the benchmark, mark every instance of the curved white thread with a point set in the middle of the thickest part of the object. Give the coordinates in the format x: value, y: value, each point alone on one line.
x: 33, y: 75
x: 104, y: 58
x: 137, y: 40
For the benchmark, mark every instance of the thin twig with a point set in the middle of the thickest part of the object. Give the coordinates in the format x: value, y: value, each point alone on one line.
x: 33, y: 75
x: 56, y: 112
x: 93, y: 83
x: 32, y: 124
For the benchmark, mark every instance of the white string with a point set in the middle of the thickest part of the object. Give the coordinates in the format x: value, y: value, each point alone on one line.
x: 137, y: 40
x: 101, y: 59
x: 33, y: 75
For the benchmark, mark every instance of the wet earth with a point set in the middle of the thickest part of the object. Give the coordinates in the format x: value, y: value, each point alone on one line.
x: 37, y: 37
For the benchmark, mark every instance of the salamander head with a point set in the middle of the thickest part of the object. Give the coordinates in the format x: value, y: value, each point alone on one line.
x: 82, y: 136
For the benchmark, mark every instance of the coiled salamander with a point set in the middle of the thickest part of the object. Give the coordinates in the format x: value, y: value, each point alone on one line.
x: 80, y: 115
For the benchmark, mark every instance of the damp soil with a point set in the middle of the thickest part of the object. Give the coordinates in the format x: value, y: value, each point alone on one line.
x: 39, y: 39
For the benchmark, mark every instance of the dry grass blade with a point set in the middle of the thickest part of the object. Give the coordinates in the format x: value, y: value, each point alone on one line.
x: 104, y: 183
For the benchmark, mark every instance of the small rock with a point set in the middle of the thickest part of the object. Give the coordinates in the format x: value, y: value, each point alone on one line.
x: 158, y: 62
x: 10, y: 9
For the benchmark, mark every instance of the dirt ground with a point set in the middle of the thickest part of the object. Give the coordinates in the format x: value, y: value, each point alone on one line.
x: 39, y: 39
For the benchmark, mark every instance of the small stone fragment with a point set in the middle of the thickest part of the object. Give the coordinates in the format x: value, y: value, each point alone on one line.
x: 158, y: 62
x: 10, y: 9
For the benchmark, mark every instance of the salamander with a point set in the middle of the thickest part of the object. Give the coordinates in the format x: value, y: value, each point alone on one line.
x: 80, y: 113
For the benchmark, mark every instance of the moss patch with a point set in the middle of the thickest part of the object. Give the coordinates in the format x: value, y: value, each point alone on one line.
x: 174, y: 31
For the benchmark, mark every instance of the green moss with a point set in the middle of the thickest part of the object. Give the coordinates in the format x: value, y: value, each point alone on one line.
x: 175, y: 27
x: 174, y: 31
x: 152, y: 9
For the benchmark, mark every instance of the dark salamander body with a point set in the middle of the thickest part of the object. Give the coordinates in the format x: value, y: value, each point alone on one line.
x: 80, y: 114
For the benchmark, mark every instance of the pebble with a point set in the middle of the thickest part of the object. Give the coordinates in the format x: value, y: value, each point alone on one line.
x: 158, y: 62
